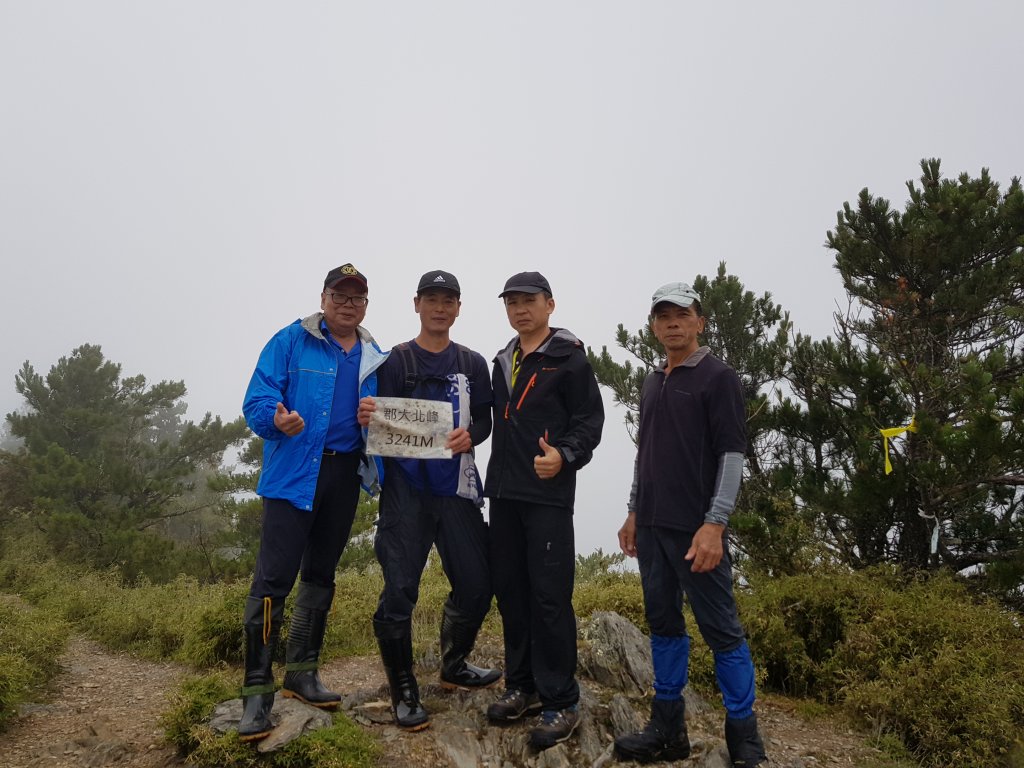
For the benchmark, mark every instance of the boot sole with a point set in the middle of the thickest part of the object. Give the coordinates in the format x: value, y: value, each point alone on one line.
x: 446, y: 686
x: 414, y: 728
x: 528, y: 712
x: 254, y: 736
x: 319, y: 705
x: 636, y: 757
x: 540, y: 744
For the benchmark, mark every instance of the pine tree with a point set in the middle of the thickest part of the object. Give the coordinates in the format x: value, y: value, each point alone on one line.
x: 108, y: 463
x: 941, y: 289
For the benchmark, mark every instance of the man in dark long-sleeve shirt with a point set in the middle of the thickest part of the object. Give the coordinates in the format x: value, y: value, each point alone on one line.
x: 690, y: 447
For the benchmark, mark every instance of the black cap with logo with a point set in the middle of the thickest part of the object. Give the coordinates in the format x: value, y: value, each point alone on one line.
x: 439, y: 280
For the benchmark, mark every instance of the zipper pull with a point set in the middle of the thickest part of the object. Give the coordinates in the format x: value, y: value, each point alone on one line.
x: 526, y: 390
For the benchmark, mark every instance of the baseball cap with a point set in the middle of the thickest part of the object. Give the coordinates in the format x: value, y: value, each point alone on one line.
x: 680, y: 294
x: 439, y: 279
x: 344, y: 272
x: 526, y: 282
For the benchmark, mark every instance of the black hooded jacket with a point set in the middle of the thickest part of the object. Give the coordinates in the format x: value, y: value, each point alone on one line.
x: 555, y: 397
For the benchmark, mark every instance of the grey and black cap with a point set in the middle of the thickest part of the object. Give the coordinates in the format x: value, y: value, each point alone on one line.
x: 680, y: 294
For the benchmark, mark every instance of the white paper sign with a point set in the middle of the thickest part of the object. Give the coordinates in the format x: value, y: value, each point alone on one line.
x: 410, y: 428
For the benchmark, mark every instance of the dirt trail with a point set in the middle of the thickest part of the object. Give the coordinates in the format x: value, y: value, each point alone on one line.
x: 105, y: 710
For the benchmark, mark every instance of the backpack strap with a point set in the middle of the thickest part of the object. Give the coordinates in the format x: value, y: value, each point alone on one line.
x: 465, y: 364
x: 409, y: 364
x: 465, y: 359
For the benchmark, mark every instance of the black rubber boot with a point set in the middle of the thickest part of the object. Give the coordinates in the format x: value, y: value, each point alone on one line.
x: 744, y: 742
x: 305, y: 638
x: 457, y: 638
x: 664, y: 737
x: 262, y: 626
x: 395, y: 642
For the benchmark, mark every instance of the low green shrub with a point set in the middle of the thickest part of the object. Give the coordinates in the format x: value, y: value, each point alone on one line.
x: 215, y: 635
x: 31, y: 641
x: 918, y: 659
x: 618, y: 592
x: 150, y: 620
x: 201, y: 624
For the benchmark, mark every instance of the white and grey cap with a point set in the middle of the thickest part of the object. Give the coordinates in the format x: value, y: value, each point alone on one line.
x: 680, y: 294
x: 439, y: 279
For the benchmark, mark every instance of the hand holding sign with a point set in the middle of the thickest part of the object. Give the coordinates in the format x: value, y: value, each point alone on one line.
x: 459, y: 441
x: 366, y: 408
x: 409, y: 428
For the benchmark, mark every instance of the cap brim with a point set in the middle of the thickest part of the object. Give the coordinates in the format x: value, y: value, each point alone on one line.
x: 520, y: 289
x: 358, y: 280
x: 679, y: 301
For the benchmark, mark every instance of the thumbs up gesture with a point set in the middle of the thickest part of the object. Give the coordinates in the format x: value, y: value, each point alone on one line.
x: 549, y: 464
x: 289, y: 422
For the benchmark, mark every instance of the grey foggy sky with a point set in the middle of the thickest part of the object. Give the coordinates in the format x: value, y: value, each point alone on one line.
x: 177, y: 178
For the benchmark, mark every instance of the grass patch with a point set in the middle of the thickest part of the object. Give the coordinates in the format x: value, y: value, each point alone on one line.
x: 30, y: 643
x: 343, y: 745
x: 201, y: 624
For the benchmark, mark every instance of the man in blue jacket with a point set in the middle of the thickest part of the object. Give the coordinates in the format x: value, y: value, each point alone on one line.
x: 690, y: 447
x: 302, y: 400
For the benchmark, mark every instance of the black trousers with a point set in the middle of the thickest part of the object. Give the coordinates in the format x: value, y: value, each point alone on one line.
x: 410, y: 522
x: 294, y: 540
x: 666, y: 576
x: 533, y: 561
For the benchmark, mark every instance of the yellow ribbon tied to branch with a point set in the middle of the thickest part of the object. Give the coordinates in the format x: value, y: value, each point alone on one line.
x: 894, y: 432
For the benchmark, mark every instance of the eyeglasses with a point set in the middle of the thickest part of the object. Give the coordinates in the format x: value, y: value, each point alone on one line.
x: 342, y: 299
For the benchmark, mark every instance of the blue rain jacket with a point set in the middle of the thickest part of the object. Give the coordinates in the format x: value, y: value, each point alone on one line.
x: 298, y: 368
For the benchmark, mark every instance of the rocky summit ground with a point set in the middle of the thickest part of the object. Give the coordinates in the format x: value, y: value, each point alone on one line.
x: 104, y: 709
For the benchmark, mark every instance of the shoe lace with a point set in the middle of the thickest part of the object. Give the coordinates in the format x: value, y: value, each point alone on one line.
x: 551, y: 717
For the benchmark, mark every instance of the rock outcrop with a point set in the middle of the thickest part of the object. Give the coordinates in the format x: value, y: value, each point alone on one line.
x: 615, y: 679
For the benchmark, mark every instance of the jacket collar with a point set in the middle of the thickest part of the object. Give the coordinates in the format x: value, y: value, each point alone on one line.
x: 311, y: 325
x: 692, y: 361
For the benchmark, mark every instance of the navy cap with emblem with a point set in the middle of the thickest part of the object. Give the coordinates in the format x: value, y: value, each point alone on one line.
x: 344, y: 272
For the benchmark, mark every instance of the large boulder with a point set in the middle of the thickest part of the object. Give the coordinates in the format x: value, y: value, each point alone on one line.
x: 291, y: 719
x: 616, y: 654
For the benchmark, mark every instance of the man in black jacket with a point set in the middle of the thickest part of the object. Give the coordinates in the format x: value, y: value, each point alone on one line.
x: 548, y: 417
